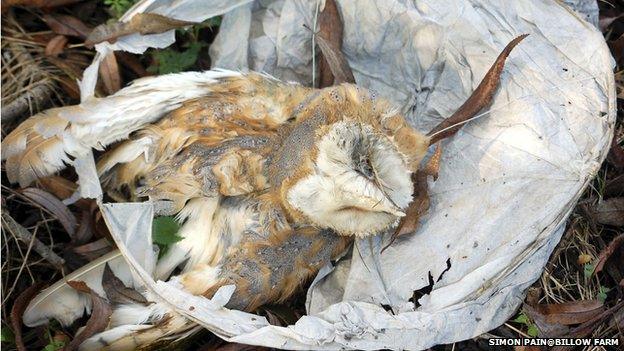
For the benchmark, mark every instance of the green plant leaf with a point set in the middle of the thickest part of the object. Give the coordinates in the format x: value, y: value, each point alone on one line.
x: 522, y: 319
x: 602, y: 293
x: 7, y: 335
x: 212, y: 22
x: 532, y: 331
x: 119, y: 7
x: 54, y: 345
x: 172, y: 61
x: 165, y: 230
x: 588, y: 270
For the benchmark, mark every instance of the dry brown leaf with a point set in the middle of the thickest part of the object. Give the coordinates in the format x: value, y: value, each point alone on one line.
x: 67, y: 25
x: 618, y: 319
x: 610, y: 212
x: 94, y: 249
x: 101, y: 230
x: 330, y: 43
x: 608, y: 251
x: 569, y: 313
x: 273, y: 319
x: 36, y: 3
x: 588, y: 327
x: 63, y: 188
x: 546, y: 329
x: 72, y: 66
x: 479, y: 99
x: 85, y: 230
x: 614, y: 186
x: 616, y: 152
x: 17, y: 311
x: 54, y: 206
x: 100, y: 315
x: 70, y: 87
x: 57, y: 186
x: 56, y: 45
x: 143, y: 23
x: 109, y: 74
x: 533, y: 295
x: 611, y: 258
x: 617, y: 48
x: 117, y: 292
x: 420, y: 202
x: 336, y: 61
x: 418, y: 206
x: 151, y: 23
x: 132, y: 62
x: 608, y: 16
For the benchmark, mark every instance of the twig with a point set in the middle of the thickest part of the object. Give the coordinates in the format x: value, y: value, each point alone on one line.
x: 314, y: 44
x: 37, y: 97
x: 31, y: 98
x: 24, y: 235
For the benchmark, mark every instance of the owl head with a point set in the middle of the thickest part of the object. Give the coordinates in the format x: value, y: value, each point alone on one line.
x: 358, y: 179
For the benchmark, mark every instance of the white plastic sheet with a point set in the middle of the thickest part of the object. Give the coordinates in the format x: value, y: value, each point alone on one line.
x: 507, y: 182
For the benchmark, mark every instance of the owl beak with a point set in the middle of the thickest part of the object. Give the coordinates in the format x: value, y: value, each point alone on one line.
x: 390, y: 209
x: 385, y: 205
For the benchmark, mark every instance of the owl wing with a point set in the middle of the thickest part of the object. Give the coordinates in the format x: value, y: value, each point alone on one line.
x: 215, y: 145
x: 200, y: 110
x: 46, y: 142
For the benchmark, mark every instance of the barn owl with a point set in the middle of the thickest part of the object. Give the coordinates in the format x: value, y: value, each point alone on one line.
x: 270, y: 180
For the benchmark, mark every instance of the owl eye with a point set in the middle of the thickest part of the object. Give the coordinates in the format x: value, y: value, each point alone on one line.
x: 364, y: 167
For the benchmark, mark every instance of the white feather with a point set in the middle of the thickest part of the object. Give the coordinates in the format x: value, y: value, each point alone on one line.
x: 125, y: 153
x: 65, y: 304
x: 137, y: 313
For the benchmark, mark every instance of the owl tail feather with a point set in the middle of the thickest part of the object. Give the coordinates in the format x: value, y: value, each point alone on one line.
x: 479, y: 99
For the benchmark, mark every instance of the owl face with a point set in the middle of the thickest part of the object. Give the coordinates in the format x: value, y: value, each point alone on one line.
x: 360, y: 183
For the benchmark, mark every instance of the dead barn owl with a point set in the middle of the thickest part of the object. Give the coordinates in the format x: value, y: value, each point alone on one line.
x: 271, y: 180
